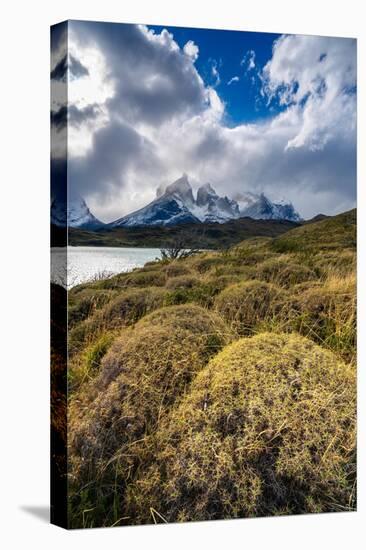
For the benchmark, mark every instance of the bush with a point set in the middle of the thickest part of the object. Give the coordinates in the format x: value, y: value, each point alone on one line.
x: 284, y: 271
x: 137, y: 278
x: 202, y: 293
x: 245, y: 305
x: 205, y: 262
x: 86, y: 365
x: 144, y: 373
x: 176, y: 268
x: 182, y: 281
x: 86, y: 302
x: 143, y: 279
x: 267, y: 428
x: 339, y: 262
x: 127, y: 308
x: 327, y: 314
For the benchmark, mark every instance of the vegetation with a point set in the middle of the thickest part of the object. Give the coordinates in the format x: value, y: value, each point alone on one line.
x: 205, y: 235
x: 249, y: 439
x: 217, y: 385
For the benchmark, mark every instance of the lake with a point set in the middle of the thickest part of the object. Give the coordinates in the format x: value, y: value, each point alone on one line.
x: 85, y: 263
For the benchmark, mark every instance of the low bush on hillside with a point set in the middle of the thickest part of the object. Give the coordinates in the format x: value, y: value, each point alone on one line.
x: 85, y: 365
x: 284, y: 271
x: 143, y: 374
x: 86, y: 302
x: 245, y: 305
x: 327, y: 314
x: 182, y: 282
x: 127, y: 308
x: 267, y: 428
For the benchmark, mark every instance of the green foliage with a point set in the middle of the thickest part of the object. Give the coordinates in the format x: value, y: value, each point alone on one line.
x: 329, y: 234
x: 86, y: 365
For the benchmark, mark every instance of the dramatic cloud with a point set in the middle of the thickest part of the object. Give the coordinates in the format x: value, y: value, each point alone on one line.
x: 191, y: 49
x: 140, y: 115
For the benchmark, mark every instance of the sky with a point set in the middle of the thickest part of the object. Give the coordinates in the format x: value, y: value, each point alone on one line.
x: 244, y: 111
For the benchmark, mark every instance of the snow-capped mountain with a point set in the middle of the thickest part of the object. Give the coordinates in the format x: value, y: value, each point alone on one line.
x: 77, y: 213
x: 176, y: 204
x: 212, y: 208
x: 172, y: 207
x: 261, y: 207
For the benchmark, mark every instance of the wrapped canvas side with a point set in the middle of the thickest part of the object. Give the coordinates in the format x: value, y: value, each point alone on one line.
x: 59, y: 274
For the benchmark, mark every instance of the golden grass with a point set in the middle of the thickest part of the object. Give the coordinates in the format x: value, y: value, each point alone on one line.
x: 284, y: 271
x: 146, y: 371
x: 166, y: 427
x: 267, y: 428
x: 246, y: 304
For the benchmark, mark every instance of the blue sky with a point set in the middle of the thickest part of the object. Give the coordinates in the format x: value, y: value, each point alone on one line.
x: 148, y: 103
x: 229, y: 53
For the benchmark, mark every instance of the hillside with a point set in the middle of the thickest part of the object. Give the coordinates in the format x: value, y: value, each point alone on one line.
x: 217, y: 386
x: 205, y: 235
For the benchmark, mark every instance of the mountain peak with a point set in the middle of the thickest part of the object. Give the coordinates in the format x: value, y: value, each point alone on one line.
x: 73, y: 212
x: 205, y: 194
x: 176, y: 205
x: 182, y: 189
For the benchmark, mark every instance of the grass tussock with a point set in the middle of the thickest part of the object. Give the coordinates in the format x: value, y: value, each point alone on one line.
x: 127, y: 308
x: 245, y: 305
x: 146, y: 371
x: 267, y: 428
x: 284, y: 271
x: 86, y: 302
x: 327, y: 314
x: 182, y: 282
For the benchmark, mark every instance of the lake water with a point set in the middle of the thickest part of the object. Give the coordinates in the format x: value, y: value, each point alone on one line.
x: 85, y: 263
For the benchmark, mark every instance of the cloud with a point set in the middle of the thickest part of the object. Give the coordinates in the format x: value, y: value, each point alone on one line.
x: 233, y: 79
x: 215, y: 73
x: 142, y: 115
x: 248, y: 61
x: 316, y: 76
x: 191, y: 49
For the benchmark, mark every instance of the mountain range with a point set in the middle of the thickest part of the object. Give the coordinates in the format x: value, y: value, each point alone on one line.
x: 177, y: 205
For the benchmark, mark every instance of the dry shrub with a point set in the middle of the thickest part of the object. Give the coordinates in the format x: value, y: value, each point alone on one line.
x: 145, y: 372
x: 327, y: 314
x: 127, y: 308
x: 85, y: 365
x: 86, y: 302
x: 143, y: 279
x: 223, y: 281
x: 245, y: 305
x: 284, y: 271
x: 253, y: 244
x: 267, y: 428
x: 176, y: 268
x: 341, y: 262
x: 137, y: 278
x: 182, y: 281
x: 205, y: 262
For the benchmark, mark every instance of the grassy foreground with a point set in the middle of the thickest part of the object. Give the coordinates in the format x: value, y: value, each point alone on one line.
x: 221, y: 385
